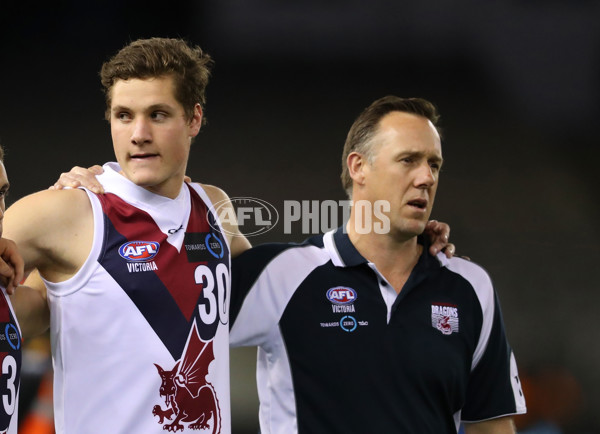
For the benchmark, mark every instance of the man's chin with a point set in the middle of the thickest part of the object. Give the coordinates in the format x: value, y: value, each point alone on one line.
x: 410, y: 230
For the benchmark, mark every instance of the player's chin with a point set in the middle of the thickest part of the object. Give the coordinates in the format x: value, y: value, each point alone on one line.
x: 144, y: 178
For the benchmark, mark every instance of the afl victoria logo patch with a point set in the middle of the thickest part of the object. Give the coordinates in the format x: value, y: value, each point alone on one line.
x: 341, y: 295
x: 139, y: 251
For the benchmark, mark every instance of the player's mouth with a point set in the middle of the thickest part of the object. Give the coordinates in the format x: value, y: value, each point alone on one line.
x: 418, y: 204
x: 142, y: 157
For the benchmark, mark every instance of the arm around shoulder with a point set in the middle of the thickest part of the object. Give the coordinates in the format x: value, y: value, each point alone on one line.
x: 224, y: 210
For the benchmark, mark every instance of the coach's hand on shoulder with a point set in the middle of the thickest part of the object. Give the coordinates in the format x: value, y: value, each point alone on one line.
x: 80, y: 177
x: 439, y: 233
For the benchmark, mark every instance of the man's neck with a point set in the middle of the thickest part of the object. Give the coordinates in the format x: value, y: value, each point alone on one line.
x: 394, y: 257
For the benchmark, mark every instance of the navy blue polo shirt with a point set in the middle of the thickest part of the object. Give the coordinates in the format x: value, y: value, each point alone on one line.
x: 340, y: 352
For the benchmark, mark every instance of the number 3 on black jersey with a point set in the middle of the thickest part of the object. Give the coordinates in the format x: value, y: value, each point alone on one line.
x: 9, y: 390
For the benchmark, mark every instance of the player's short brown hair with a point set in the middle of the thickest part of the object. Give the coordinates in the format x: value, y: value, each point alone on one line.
x: 161, y: 57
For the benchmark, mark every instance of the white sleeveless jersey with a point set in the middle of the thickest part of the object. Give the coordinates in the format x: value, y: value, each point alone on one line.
x: 10, y: 365
x: 140, y: 333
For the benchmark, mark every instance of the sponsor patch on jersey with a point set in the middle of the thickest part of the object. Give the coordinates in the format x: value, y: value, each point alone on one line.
x: 347, y: 323
x: 9, y: 337
x: 444, y: 317
x: 139, y: 251
x: 341, y: 295
x: 203, y: 246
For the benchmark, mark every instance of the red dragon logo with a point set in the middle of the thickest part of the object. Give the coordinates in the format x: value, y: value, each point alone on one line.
x: 444, y: 326
x: 188, y: 396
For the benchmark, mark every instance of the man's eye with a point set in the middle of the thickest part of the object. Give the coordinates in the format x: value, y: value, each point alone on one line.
x: 123, y: 116
x: 159, y: 116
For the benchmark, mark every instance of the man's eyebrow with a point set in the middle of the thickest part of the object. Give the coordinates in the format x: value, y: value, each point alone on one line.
x: 119, y: 108
x: 5, y: 187
x: 159, y: 106
x: 153, y: 107
x: 437, y: 159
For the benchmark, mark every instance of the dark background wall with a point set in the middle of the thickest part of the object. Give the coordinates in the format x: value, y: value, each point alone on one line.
x: 517, y: 83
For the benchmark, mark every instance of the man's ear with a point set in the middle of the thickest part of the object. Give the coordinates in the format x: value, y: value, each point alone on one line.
x: 357, y: 163
x: 196, y: 121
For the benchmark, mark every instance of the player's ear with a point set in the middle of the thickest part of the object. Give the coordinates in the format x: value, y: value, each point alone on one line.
x: 357, y: 164
x: 196, y: 121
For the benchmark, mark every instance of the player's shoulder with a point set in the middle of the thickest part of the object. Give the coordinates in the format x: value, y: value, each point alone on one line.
x: 48, y: 220
x: 51, y: 201
x: 214, y: 193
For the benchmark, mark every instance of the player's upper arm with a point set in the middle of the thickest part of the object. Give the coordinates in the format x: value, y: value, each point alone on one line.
x: 52, y: 229
x: 238, y: 243
x: 501, y: 425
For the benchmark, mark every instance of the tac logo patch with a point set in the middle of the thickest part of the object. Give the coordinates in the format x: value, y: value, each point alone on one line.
x: 9, y: 337
x: 139, y: 251
x: 348, y: 323
x: 444, y: 317
x: 341, y: 295
x: 203, y: 246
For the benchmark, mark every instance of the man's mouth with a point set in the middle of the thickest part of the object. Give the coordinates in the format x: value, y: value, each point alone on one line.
x: 418, y: 203
x: 142, y: 156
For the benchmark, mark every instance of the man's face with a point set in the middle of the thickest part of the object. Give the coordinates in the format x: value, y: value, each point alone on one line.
x: 3, y: 192
x: 407, y: 157
x: 151, y: 135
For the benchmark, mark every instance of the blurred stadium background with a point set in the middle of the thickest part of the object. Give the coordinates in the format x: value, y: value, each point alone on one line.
x: 518, y: 86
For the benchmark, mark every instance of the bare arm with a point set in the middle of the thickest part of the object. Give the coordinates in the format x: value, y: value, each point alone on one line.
x: 238, y: 243
x: 501, y: 425
x: 53, y: 231
x: 31, y: 308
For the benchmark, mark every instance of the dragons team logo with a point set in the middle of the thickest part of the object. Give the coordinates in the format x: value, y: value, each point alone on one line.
x: 189, y: 398
x: 444, y: 317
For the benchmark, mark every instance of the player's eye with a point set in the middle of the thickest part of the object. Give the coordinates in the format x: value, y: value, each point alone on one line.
x: 159, y: 116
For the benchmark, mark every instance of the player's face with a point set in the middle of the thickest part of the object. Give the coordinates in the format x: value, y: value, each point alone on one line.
x: 3, y: 192
x: 405, y: 171
x: 151, y: 134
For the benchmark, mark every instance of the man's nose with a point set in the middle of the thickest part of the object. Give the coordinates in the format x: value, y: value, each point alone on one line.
x: 426, y: 177
x: 141, y: 132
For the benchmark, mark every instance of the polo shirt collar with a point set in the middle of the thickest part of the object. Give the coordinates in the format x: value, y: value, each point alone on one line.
x: 344, y: 254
